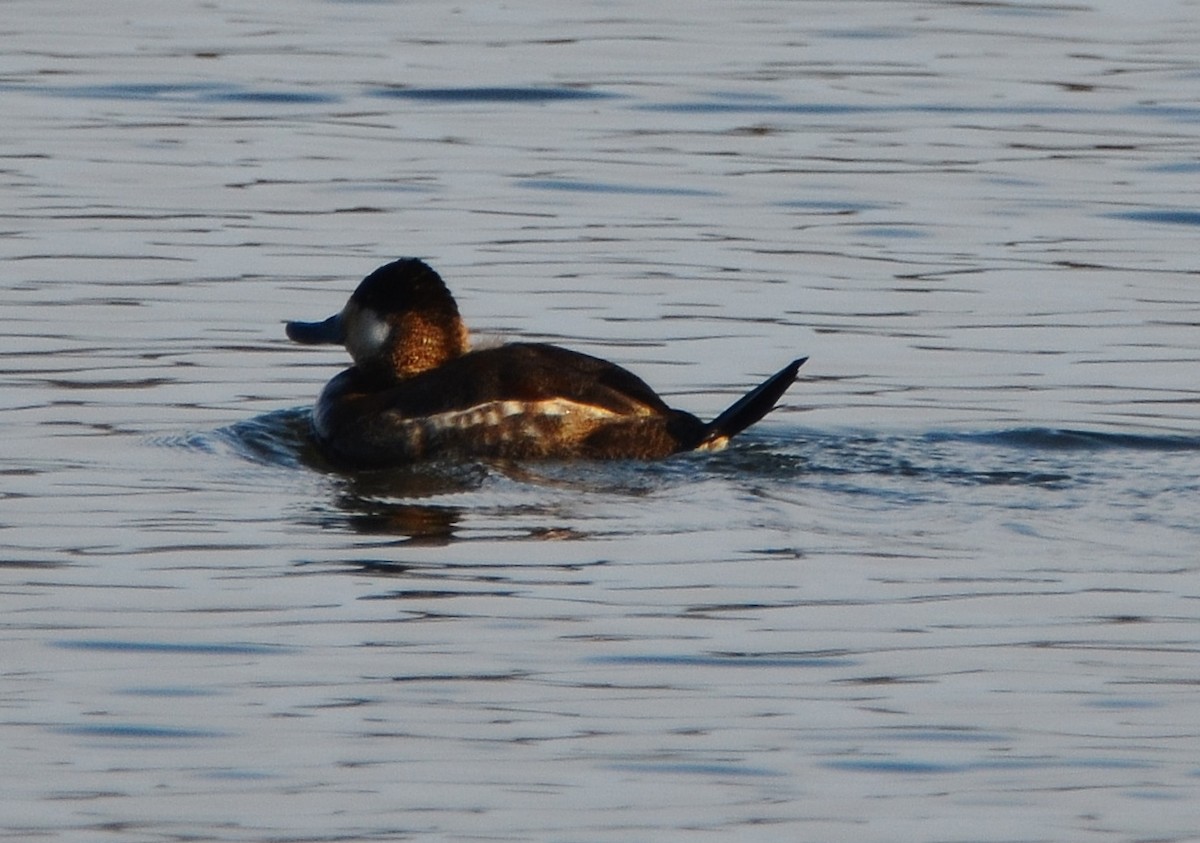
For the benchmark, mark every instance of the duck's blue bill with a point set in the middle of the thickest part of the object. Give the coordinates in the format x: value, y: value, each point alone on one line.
x: 317, y: 333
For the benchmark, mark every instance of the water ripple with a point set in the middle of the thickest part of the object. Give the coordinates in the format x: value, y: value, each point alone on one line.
x: 577, y: 186
x: 1032, y: 457
x: 1163, y: 217
x: 172, y: 647
x: 214, y: 92
x: 491, y: 94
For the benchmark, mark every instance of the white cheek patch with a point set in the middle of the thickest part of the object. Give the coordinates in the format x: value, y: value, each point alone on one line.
x: 366, y: 334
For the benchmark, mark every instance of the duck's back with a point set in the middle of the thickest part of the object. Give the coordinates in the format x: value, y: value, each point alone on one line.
x: 517, y: 401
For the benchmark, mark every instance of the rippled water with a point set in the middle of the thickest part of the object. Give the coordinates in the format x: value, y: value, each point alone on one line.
x: 948, y: 591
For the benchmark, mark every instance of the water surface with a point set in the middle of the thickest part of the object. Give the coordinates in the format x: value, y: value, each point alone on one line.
x: 947, y: 591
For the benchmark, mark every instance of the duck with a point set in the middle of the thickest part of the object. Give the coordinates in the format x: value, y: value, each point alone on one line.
x: 417, y: 390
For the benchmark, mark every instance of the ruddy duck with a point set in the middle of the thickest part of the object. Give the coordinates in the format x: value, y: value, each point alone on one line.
x: 416, y: 391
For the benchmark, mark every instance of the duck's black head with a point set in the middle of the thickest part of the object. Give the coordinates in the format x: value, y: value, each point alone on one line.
x: 401, y: 320
x: 403, y: 285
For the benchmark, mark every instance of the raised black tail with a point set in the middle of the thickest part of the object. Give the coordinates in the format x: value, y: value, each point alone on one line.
x: 749, y: 408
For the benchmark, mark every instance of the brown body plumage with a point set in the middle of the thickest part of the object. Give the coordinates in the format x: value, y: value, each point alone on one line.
x: 417, y: 392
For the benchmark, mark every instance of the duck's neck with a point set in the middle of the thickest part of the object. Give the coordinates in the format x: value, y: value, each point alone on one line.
x: 427, y: 344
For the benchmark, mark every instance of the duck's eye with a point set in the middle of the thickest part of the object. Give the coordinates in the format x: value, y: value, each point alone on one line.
x: 366, y: 333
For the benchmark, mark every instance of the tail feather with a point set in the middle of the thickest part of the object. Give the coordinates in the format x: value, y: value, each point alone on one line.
x: 749, y: 408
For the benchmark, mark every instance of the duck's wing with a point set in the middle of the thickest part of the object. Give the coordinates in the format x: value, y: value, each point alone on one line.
x: 527, y: 372
x: 588, y: 379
